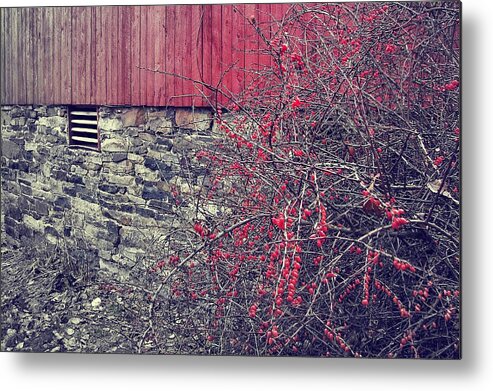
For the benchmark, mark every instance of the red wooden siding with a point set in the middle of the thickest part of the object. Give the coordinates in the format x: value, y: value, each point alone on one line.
x: 95, y: 55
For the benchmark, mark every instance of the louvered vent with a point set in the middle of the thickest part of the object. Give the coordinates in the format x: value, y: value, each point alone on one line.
x: 84, y: 131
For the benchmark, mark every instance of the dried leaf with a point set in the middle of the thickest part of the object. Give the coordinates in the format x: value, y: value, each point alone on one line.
x: 434, y: 187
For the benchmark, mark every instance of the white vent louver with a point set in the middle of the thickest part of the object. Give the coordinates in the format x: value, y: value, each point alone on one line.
x: 84, y: 130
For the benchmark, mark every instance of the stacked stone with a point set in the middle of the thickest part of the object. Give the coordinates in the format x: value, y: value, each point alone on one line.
x: 104, y: 205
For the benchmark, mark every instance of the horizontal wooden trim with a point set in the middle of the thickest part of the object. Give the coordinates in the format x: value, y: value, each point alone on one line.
x: 85, y: 113
x: 85, y: 130
x: 84, y: 121
x: 85, y: 139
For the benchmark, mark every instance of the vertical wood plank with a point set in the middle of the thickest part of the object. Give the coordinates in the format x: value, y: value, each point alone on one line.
x: 48, y: 51
x: 135, y: 96
x: 10, y: 56
x: 82, y: 37
x: 148, y: 56
x: 120, y: 49
x: 76, y: 59
x: 8, y: 65
x: 112, y: 86
x: 238, y: 48
x: 37, y: 66
x: 91, y: 53
x: 8, y: 61
x: 180, y: 37
x: 21, y: 56
x: 155, y: 26
x: 125, y: 38
x: 251, y: 44
x: 159, y: 55
x: 107, y: 48
x: 169, y: 34
x: 187, y: 31
x: 85, y: 57
x: 30, y: 64
x: 14, y: 54
x: 57, y: 56
x: 42, y: 48
x: 100, y: 62
x: 196, y: 53
x: 226, y: 51
x: 66, y: 29
x: 216, y: 24
x: 3, y: 70
x: 117, y: 48
x: 142, y: 55
x: 207, y: 52
x: 264, y: 11
x: 17, y: 57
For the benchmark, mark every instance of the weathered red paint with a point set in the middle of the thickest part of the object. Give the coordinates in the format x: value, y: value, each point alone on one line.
x: 106, y: 55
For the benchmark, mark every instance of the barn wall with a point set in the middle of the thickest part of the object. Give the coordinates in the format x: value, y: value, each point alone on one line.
x: 99, y: 55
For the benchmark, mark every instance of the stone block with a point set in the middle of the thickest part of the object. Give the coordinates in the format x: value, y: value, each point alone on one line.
x: 114, y: 145
x: 26, y: 190
x: 165, y: 143
x: 144, y: 212
x: 13, y: 212
x: 154, y: 193
x: 25, y: 166
x: 25, y: 203
x: 133, y: 117
x: 30, y: 146
x: 162, y: 205
x: 10, y: 149
x: 49, y: 230
x: 25, y: 231
x: 121, y: 180
x: 76, y: 169
x: 159, y: 121
x: 85, y: 207
x: 59, y: 175
x: 62, y: 203
x: 135, y: 158
x: 112, y: 189
x: 41, y: 207
x: 196, y: 119
x: 33, y: 224
x: 110, y: 124
x: 122, y: 207
x: 146, y: 174
x: 147, y: 137
x: 156, y: 165
x: 69, y: 190
x: 19, y: 121
x: 5, y: 116
x: 12, y: 230
x: 118, y: 156
x: 53, y: 122
x: 119, y: 217
x: 76, y: 179
x: 123, y: 167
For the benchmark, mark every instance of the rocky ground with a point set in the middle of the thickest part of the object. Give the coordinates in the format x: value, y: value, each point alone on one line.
x: 48, y: 309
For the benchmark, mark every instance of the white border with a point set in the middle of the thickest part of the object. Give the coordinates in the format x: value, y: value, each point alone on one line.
x: 473, y: 372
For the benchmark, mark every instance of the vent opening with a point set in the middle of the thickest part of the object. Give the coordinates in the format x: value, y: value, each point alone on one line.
x: 83, y: 127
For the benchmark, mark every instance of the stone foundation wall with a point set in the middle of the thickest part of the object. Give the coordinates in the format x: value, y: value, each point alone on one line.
x: 104, y: 207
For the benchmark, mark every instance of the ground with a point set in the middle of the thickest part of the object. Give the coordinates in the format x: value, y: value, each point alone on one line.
x: 44, y: 310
